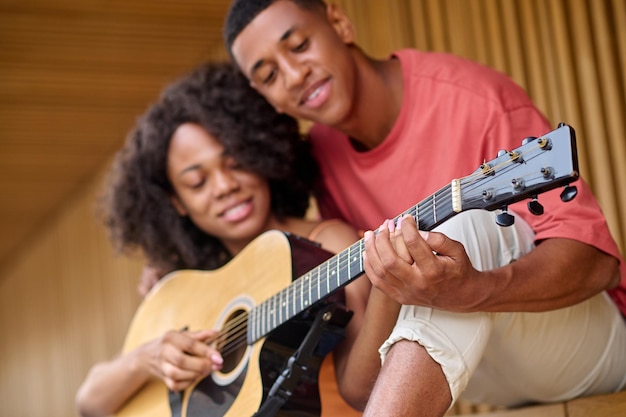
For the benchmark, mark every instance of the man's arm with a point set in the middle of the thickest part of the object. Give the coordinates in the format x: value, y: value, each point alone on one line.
x: 557, y: 273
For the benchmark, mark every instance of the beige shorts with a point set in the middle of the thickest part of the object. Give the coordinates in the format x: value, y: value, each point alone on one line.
x: 515, y: 358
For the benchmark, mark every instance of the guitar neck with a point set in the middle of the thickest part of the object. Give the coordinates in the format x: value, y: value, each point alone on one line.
x: 539, y: 165
x: 338, y: 271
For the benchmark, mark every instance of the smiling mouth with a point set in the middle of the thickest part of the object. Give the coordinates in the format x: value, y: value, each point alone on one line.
x: 237, y: 212
x: 316, y: 94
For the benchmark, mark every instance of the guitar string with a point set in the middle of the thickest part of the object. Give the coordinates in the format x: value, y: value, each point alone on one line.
x: 237, y: 327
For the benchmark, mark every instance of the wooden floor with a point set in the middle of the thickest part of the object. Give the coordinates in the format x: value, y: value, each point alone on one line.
x: 613, y: 405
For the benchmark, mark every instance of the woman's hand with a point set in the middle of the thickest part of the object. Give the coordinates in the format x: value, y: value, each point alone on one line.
x: 179, y: 358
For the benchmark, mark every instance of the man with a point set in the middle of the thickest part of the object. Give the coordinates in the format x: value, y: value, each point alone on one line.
x: 389, y: 132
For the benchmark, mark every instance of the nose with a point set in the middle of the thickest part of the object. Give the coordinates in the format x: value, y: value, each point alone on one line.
x: 224, y: 182
x: 295, y: 72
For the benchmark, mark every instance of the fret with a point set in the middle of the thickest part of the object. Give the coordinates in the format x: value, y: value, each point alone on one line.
x: 282, y: 311
x: 252, y: 328
x: 322, y: 276
x: 303, y: 303
x: 257, y: 325
x: 343, y: 259
x: 307, y: 292
x: 313, y: 278
x: 290, y: 301
x: 269, y: 313
x: 361, y: 248
x: 332, y: 272
x: 259, y: 320
x: 266, y: 317
x: 297, y: 298
x: 347, y: 267
x: 262, y: 315
x: 417, y: 215
x: 273, y: 307
x: 355, y: 263
x: 419, y: 218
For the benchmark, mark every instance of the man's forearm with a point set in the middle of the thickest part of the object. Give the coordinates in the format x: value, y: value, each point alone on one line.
x: 557, y: 273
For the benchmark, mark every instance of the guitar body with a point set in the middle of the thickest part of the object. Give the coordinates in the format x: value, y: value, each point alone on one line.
x: 213, y: 299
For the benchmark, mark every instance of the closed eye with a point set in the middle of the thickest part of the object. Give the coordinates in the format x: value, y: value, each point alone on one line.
x: 198, y: 184
x: 302, y: 46
x: 269, y: 77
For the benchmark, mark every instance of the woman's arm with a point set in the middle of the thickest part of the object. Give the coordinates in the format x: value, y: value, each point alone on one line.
x: 178, y: 358
x: 357, y: 361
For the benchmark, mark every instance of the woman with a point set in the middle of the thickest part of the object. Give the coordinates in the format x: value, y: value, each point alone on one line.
x: 208, y: 168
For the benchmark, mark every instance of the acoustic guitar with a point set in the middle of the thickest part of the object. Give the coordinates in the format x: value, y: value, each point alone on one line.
x: 263, y: 313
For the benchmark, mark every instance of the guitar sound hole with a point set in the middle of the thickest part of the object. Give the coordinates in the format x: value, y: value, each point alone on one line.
x: 233, y: 345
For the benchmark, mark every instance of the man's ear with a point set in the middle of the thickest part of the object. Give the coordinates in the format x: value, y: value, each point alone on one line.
x: 342, y: 24
x: 178, y: 205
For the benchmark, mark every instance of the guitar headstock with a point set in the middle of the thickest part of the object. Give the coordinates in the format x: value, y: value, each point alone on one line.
x: 539, y: 165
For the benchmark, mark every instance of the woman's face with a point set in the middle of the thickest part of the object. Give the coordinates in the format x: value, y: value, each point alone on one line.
x: 220, y: 198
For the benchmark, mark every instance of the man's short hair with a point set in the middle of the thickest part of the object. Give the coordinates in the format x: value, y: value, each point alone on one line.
x: 242, y: 12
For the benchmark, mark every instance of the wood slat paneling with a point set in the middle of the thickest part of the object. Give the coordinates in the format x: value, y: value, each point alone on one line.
x: 74, y: 74
x: 73, y: 77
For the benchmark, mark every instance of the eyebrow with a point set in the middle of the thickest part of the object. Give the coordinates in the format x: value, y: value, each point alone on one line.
x: 261, y: 61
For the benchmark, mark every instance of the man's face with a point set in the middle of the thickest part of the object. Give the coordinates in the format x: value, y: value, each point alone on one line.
x: 300, y: 60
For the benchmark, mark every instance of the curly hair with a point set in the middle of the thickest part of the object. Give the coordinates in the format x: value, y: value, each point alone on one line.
x: 136, y: 203
x: 242, y: 12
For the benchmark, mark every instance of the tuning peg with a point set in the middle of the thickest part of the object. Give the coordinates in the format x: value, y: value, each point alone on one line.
x: 568, y: 193
x: 528, y: 139
x: 505, y: 219
x: 535, y: 207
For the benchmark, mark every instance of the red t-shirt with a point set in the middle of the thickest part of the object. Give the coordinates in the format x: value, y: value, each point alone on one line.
x: 455, y: 115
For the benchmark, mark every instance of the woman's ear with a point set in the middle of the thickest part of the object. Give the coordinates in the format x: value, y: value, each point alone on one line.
x: 178, y: 205
x: 342, y: 24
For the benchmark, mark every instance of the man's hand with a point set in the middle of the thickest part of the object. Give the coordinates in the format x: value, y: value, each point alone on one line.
x: 419, y: 268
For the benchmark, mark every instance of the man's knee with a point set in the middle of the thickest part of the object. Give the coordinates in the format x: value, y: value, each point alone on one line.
x: 410, y: 367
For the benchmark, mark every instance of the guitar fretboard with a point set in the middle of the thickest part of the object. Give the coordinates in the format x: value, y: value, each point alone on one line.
x: 340, y: 270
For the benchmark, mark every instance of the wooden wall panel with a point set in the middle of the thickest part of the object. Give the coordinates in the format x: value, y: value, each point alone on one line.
x: 73, y: 74
x: 66, y: 299
x: 65, y: 303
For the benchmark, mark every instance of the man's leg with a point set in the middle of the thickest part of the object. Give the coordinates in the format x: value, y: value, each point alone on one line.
x: 431, y: 354
x: 410, y: 383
